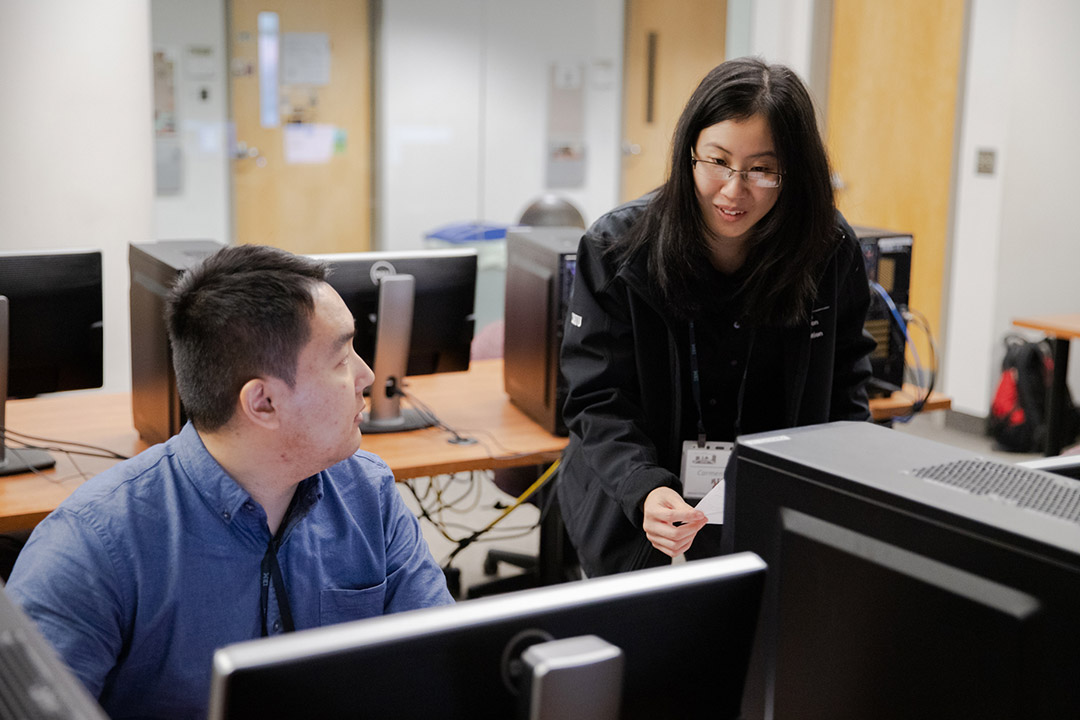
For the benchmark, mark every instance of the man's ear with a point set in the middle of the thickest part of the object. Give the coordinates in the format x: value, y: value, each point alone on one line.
x: 257, y: 404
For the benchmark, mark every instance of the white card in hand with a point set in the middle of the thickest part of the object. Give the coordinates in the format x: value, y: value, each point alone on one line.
x: 713, y: 504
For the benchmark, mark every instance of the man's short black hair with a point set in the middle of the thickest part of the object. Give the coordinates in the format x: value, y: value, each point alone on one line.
x: 244, y: 312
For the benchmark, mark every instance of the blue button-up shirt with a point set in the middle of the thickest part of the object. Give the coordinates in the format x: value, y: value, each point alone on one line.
x: 149, y: 567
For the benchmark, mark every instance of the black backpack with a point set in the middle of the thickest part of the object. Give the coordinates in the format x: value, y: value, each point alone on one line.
x: 1018, y: 412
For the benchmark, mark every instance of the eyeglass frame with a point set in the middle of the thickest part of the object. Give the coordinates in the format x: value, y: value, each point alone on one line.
x: 732, y: 172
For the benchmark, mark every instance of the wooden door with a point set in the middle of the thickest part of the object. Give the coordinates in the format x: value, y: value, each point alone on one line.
x: 670, y: 46
x: 893, y: 90
x: 302, y: 169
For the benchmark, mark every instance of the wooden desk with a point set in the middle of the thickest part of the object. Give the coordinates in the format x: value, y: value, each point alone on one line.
x: 897, y: 404
x: 1061, y: 329
x: 473, y: 403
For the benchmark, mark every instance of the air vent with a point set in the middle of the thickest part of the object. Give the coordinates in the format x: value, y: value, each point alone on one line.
x: 1018, y: 486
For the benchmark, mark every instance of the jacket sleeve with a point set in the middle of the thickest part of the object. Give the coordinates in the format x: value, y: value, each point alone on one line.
x: 604, y: 410
x: 851, y: 364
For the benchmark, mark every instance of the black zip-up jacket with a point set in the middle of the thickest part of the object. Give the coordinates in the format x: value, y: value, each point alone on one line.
x: 621, y: 360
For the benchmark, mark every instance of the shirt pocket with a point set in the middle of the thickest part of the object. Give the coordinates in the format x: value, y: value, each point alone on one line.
x: 340, y: 605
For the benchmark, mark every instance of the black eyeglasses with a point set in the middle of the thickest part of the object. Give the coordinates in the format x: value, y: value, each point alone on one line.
x: 718, y: 171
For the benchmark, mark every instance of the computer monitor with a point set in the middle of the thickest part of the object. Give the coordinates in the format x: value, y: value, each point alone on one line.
x: 50, y: 333
x: 414, y: 314
x: 906, y: 578
x: 34, y: 683
x: 684, y: 631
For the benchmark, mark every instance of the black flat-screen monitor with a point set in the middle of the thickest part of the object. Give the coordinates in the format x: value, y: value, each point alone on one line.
x: 34, y: 683
x: 685, y: 633
x: 50, y: 332
x: 907, y: 579
x: 434, y: 336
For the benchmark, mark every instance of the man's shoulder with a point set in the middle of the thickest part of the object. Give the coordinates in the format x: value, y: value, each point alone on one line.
x: 94, y: 526
x: 363, y: 469
x: 361, y: 461
x: 139, y: 474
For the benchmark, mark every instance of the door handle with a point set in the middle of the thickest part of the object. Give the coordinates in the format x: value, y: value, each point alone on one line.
x: 242, y: 151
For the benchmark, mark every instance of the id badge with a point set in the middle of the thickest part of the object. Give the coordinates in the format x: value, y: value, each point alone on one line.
x: 703, y: 467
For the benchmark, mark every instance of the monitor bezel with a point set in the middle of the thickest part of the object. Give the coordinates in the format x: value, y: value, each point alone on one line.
x: 519, y: 613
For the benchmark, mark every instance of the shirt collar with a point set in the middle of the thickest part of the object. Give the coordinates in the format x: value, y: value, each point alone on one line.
x: 221, y: 493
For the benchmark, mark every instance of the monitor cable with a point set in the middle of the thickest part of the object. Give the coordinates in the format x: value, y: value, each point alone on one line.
x: 529, y: 491
x: 396, y: 388
x: 901, y: 320
x: 458, y: 437
x: 23, y: 438
x: 16, y: 442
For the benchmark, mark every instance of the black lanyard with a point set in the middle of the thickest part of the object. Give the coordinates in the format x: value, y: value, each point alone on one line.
x: 695, y: 381
x: 270, y: 572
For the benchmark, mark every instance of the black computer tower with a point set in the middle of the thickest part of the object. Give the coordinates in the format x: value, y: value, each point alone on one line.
x: 154, y: 268
x: 540, y: 264
x: 888, y: 263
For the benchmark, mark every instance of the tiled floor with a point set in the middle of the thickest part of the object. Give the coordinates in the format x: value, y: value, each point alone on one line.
x: 471, y: 501
x: 933, y: 426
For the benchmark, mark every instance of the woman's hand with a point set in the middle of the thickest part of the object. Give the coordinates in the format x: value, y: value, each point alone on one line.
x: 670, y: 524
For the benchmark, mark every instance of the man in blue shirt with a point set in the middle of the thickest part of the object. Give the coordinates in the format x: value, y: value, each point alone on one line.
x: 260, y: 517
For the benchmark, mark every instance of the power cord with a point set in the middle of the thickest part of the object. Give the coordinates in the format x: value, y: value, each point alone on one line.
x: 901, y: 320
x: 540, y: 482
x: 394, y: 388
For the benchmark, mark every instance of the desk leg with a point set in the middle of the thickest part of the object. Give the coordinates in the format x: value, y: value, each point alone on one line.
x: 1059, y: 399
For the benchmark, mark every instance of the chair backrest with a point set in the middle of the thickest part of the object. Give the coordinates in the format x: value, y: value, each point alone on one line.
x: 552, y: 210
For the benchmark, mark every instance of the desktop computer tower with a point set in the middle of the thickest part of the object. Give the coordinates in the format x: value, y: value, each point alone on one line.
x: 888, y: 263
x: 540, y: 263
x: 154, y: 268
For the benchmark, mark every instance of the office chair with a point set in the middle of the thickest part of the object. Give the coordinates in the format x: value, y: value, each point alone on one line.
x: 514, y: 481
x: 556, y: 561
x: 552, y: 210
x: 10, y: 545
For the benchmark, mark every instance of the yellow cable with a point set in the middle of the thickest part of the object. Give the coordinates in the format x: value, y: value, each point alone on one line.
x: 523, y: 497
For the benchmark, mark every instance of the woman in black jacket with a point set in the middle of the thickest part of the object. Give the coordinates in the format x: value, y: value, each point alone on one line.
x: 739, y: 266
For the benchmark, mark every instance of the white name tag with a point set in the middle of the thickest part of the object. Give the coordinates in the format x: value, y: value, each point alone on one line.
x: 703, y: 467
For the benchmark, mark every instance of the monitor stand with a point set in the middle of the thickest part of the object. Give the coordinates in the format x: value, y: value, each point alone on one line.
x: 576, y: 678
x: 392, y: 337
x: 13, y: 461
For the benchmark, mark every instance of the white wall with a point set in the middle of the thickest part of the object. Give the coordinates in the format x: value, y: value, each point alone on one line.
x: 781, y: 31
x: 462, y: 105
x: 201, y: 209
x: 791, y: 32
x: 1015, y: 240
x: 429, y: 81
x: 75, y: 136
x: 971, y: 305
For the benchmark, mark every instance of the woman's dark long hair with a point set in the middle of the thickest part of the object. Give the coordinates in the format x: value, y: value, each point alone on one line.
x: 787, y: 247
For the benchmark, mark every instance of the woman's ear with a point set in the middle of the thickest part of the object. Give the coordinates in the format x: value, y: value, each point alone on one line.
x: 256, y: 402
